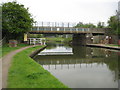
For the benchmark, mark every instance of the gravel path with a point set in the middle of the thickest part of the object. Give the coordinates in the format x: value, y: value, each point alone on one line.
x: 6, y: 62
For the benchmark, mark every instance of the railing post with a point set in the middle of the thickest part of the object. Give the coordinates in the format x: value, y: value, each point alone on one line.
x: 68, y: 24
x: 64, y: 29
x: 62, y: 24
x: 37, y: 28
x: 77, y: 29
x: 48, y: 24
x: 42, y: 24
x: 52, y: 24
x: 70, y: 29
x: 51, y: 29
x: 55, y: 24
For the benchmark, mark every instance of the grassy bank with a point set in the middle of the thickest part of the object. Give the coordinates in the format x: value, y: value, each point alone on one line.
x: 6, y: 49
x: 55, y: 39
x: 26, y: 73
x: 59, y: 39
x: 113, y: 45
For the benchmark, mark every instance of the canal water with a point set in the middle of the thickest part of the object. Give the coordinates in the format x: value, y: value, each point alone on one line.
x: 81, y: 67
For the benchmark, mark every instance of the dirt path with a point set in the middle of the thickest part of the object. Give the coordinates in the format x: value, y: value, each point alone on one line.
x: 6, y: 62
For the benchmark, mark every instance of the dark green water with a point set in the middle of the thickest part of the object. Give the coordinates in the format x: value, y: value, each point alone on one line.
x: 81, y: 67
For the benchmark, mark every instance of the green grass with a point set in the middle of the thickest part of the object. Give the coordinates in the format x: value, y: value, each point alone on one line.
x: 26, y: 73
x: 59, y: 39
x: 6, y: 49
x: 113, y: 45
x: 67, y: 40
x: 56, y: 39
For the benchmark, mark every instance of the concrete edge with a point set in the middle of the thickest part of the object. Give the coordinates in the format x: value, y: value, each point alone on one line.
x: 36, y: 52
x: 100, y: 46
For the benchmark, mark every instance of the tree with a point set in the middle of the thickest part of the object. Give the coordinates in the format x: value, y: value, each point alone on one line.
x: 114, y: 23
x: 81, y: 25
x: 16, y: 20
x: 100, y: 25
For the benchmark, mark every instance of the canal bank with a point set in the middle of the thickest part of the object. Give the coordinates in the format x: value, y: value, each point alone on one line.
x: 6, y: 63
x: 36, y: 51
x: 108, y: 46
x: 81, y: 67
x: 26, y: 73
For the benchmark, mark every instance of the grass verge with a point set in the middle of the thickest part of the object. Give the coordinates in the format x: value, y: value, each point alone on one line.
x: 26, y: 73
x: 113, y: 45
x: 6, y: 49
x: 56, y: 39
x: 59, y: 39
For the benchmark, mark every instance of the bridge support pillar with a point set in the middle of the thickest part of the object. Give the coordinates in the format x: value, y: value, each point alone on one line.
x: 79, y: 39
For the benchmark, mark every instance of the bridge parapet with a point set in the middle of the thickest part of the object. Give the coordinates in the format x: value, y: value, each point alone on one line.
x: 61, y: 29
x: 68, y: 30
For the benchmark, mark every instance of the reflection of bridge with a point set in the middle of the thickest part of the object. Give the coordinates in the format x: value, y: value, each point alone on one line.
x: 70, y: 58
x: 66, y: 59
x: 69, y: 66
x: 76, y: 56
x: 71, y: 61
x: 62, y: 61
x: 79, y: 55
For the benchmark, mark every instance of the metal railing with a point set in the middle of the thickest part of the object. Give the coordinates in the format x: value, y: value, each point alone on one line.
x: 55, y: 24
x: 63, y: 29
x: 34, y: 41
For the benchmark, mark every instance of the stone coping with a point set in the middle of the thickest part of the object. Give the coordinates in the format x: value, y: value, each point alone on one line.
x: 104, y: 46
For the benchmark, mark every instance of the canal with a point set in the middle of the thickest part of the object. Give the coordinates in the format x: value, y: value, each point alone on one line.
x: 81, y: 67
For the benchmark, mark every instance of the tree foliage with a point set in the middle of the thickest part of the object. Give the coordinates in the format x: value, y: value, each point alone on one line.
x: 81, y: 25
x: 36, y: 36
x: 16, y: 19
x: 114, y: 23
x: 100, y: 25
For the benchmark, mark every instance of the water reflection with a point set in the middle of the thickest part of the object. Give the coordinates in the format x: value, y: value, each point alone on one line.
x: 81, y: 67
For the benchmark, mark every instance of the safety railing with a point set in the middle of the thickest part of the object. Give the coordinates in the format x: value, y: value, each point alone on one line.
x: 60, y: 29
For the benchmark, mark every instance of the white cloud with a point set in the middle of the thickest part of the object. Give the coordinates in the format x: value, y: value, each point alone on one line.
x: 71, y: 10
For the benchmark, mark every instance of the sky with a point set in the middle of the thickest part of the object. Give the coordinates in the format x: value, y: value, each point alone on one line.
x: 86, y: 11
